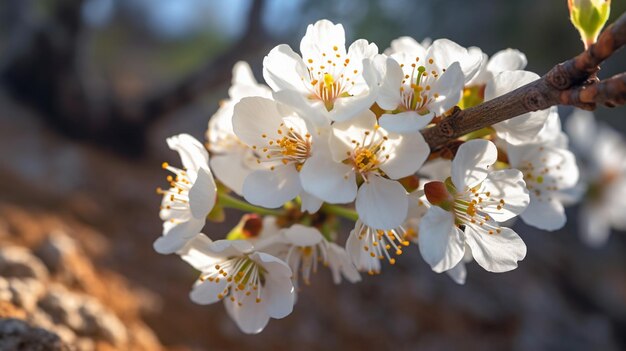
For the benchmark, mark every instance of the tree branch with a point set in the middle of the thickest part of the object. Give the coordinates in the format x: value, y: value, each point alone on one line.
x: 572, y: 82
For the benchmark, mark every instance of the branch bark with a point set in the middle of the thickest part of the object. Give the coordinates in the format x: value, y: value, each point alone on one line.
x: 572, y: 82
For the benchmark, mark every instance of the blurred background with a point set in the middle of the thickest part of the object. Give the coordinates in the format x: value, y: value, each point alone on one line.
x: 90, y: 89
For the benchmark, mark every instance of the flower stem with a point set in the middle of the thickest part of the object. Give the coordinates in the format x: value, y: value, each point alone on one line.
x: 341, y: 212
x: 228, y: 201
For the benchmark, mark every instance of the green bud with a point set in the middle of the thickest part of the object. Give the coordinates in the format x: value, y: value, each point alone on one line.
x: 589, y: 17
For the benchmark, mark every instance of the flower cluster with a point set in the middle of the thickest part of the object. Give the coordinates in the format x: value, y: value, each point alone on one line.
x: 335, y: 134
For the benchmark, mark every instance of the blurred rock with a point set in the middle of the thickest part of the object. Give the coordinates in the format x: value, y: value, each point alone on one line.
x: 51, y: 305
x: 17, y: 335
x: 20, y: 263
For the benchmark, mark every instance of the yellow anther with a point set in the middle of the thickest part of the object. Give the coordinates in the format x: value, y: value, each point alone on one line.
x: 328, y: 80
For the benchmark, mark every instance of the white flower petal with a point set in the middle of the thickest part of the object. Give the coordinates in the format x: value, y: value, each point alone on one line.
x: 283, y: 69
x: 310, y: 203
x: 507, y: 60
x: 458, y: 273
x: 272, y: 188
x: 472, y: 162
x: 389, y: 96
x: 328, y: 180
x: 323, y: 37
x: 231, y: 170
x: 275, y: 266
x: 344, y: 132
x: 251, y: 317
x: 508, y: 185
x: 176, y: 235
x: 242, y: 74
x: 301, y: 235
x: 408, y: 45
x: 361, y: 259
x: 346, y: 108
x: 280, y: 296
x: 340, y: 264
x: 440, y: 241
x: 313, y: 111
x: 256, y: 117
x: 594, y: 225
x: 405, y: 122
x: 445, y: 52
x: 495, y: 252
x: 437, y: 169
x: 278, y: 291
x: 192, y: 153
x: 196, y: 254
x: 582, y: 130
x: 409, y: 153
x: 205, y: 293
x: 544, y: 214
x: 449, y: 86
x: 229, y: 248
x: 202, y: 194
x: 382, y: 203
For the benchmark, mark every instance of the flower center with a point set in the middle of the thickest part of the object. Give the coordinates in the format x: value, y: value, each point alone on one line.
x: 538, y: 180
x: 331, y: 77
x: 365, y: 160
x: 417, y: 85
x: 378, y: 243
x: 368, y: 153
x: 469, y: 207
x: 293, y: 147
x: 176, y: 198
x: 309, y: 258
x: 244, y: 278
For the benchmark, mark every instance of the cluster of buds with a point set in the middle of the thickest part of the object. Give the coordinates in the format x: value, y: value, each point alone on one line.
x: 335, y: 136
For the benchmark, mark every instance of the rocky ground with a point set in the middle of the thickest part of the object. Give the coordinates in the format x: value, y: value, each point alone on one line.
x: 77, y: 272
x: 53, y: 298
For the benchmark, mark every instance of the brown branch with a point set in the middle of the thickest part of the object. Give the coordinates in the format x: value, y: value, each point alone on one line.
x: 572, y: 82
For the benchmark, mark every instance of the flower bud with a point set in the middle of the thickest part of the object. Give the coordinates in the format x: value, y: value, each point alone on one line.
x: 437, y: 194
x: 589, y: 16
x: 249, y: 227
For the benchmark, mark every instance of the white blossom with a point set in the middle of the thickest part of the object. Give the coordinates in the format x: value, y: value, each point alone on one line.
x: 467, y: 210
x: 548, y: 171
x: 414, y: 88
x: 361, y: 148
x: 602, y: 156
x: 367, y: 246
x: 232, y: 160
x: 283, y: 142
x: 191, y: 195
x: 444, y: 51
x: 254, y: 286
x: 326, y: 82
x: 305, y: 247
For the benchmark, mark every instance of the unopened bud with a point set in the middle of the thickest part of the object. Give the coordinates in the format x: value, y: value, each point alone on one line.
x: 410, y: 183
x: 589, y: 17
x: 437, y: 194
x: 249, y: 226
